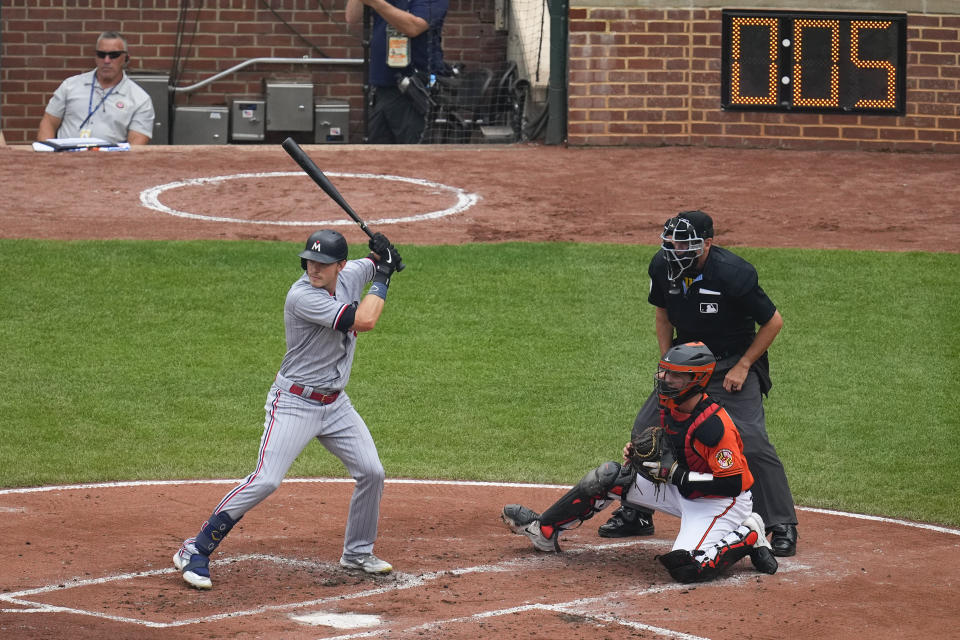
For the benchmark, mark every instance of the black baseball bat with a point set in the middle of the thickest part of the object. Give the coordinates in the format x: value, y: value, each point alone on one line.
x: 311, y: 169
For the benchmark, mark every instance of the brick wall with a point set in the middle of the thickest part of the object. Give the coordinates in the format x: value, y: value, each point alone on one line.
x: 45, y: 41
x: 637, y: 76
x: 648, y: 76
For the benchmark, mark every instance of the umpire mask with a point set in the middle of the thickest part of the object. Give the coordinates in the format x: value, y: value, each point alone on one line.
x: 683, y: 241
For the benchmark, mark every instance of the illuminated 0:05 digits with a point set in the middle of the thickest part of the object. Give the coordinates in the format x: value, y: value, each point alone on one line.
x: 800, y: 27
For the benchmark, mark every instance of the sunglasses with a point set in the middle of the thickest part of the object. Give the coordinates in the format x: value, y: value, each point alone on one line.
x: 113, y: 55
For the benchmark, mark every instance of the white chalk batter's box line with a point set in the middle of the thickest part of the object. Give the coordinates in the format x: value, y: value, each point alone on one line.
x: 401, y: 581
x: 150, y: 198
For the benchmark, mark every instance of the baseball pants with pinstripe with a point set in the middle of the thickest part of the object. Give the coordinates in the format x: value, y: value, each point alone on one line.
x: 291, y: 423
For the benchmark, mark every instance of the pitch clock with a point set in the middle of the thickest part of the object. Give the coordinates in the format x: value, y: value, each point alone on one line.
x: 806, y: 61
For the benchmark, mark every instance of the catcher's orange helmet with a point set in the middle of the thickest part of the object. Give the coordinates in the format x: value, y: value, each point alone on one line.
x: 693, y: 358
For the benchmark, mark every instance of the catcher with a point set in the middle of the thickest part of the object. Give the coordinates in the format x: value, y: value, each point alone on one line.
x: 692, y: 466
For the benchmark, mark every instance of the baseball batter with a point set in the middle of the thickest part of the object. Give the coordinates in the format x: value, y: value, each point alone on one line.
x: 325, y: 310
x: 706, y: 483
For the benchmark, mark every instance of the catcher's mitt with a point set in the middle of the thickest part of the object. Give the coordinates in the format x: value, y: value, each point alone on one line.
x: 652, y: 457
x: 647, y: 446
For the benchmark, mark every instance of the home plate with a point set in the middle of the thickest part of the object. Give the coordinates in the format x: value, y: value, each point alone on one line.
x: 338, y: 620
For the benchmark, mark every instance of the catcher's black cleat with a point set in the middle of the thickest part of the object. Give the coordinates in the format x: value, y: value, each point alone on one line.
x: 518, y: 517
x: 682, y: 566
x: 763, y: 560
x: 627, y: 522
x: 526, y: 522
x: 761, y: 554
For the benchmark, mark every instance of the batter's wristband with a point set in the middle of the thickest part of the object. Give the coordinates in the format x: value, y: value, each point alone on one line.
x: 378, y: 289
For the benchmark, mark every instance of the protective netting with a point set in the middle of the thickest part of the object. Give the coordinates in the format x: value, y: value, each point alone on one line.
x: 480, y: 102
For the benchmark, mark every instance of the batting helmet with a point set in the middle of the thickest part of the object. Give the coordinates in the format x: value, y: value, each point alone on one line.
x: 693, y: 358
x: 324, y: 246
x: 682, y: 240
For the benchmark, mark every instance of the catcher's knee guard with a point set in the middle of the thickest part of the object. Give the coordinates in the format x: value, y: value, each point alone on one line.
x: 606, y: 479
x: 214, y: 531
x: 735, y: 545
x: 588, y: 496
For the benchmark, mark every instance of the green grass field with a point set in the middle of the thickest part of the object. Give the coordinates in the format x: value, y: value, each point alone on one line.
x: 510, y: 362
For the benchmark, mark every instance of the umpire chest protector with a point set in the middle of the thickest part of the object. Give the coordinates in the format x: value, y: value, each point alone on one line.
x: 719, y: 306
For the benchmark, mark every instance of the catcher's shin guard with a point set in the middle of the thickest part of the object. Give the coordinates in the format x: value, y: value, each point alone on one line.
x: 732, y: 547
x: 214, y: 531
x: 701, y: 566
x: 587, y: 497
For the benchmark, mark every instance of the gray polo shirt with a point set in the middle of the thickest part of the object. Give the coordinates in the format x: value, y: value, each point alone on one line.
x: 126, y: 108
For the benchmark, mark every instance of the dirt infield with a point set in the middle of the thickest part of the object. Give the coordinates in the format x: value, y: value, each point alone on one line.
x: 895, y: 202
x: 460, y: 573
x: 94, y: 562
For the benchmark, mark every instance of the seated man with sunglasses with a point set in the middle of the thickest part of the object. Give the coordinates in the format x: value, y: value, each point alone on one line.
x: 103, y: 103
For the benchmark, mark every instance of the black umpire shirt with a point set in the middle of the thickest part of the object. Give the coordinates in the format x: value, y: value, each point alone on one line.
x: 720, y: 307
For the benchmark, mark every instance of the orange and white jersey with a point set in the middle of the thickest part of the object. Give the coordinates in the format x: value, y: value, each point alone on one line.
x: 706, y: 440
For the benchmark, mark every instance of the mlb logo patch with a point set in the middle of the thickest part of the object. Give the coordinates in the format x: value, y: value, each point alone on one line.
x: 709, y: 307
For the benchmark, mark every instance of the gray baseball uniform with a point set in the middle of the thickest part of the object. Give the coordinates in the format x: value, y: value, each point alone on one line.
x: 323, y: 312
x: 307, y: 400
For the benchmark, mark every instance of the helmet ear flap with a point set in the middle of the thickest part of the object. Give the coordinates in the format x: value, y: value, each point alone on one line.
x: 303, y: 263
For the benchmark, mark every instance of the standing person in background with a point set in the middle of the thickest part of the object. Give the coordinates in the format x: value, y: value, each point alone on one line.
x: 405, y: 51
x: 103, y: 103
x: 703, y: 292
x: 324, y: 311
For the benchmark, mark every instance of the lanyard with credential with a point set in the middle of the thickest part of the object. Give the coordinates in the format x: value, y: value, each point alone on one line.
x: 90, y: 108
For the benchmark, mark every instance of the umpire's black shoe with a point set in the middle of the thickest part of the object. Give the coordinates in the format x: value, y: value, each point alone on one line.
x: 626, y: 522
x: 784, y: 540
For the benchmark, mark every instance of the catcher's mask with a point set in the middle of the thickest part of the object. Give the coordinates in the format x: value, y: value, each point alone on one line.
x: 683, y: 240
x: 692, y: 360
x: 324, y: 246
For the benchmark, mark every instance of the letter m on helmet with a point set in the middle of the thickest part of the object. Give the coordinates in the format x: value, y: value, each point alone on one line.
x: 324, y: 246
